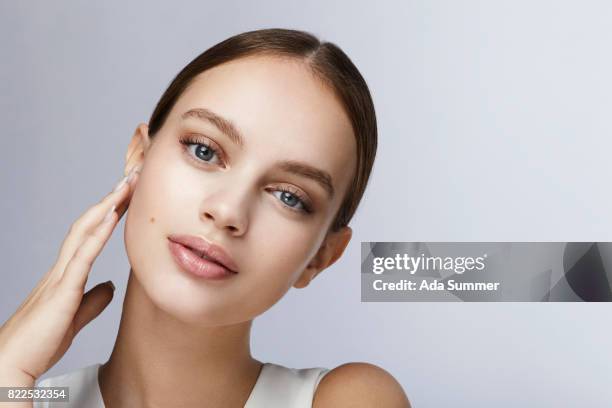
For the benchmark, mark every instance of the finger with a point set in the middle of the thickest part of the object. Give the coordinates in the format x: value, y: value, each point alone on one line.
x: 80, y: 231
x: 79, y: 266
x: 89, y: 220
x: 123, y: 205
x: 92, y: 304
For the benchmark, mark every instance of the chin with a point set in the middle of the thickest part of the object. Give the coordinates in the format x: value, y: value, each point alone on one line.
x: 188, y: 301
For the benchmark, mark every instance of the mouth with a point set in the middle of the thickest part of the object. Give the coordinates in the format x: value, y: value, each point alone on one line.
x: 206, y: 250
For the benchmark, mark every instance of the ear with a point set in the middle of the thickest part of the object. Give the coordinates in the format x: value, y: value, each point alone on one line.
x: 332, y: 248
x: 137, y: 148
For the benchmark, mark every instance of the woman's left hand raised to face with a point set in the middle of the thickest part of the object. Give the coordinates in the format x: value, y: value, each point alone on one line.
x: 42, y: 329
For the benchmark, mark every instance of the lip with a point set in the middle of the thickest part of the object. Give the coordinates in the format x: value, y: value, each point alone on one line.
x: 209, y: 250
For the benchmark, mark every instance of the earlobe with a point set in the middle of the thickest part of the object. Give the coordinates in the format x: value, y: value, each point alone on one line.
x: 330, y: 251
x: 312, y: 270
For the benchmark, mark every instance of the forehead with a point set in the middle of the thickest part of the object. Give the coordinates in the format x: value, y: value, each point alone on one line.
x: 282, y: 110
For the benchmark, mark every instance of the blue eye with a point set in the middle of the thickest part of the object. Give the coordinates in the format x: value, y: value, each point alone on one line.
x: 201, y: 151
x: 290, y: 198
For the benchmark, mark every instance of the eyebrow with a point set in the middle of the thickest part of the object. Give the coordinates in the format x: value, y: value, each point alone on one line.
x: 291, y: 166
x: 224, y: 125
x: 302, y: 169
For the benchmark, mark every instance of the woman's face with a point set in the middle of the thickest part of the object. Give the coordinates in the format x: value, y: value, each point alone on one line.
x: 233, y: 196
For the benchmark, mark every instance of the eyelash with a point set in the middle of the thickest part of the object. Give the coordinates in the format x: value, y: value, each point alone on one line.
x: 190, y: 140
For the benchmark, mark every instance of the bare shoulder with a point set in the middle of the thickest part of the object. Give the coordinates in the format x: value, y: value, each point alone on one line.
x: 359, y: 385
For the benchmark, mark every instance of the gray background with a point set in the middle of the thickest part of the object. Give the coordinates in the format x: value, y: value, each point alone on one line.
x: 494, y: 121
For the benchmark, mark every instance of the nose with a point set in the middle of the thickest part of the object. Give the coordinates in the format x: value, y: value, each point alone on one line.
x: 226, y: 208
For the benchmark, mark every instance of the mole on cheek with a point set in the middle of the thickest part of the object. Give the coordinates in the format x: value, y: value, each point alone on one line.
x: 152, y: 220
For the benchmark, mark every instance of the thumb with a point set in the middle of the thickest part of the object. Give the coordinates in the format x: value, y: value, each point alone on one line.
x: 92, y: 304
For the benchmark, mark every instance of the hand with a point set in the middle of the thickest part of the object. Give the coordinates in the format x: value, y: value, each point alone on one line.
x: 38, y: 334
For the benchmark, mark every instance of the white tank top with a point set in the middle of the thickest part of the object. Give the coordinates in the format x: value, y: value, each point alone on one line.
x: 276, y: 387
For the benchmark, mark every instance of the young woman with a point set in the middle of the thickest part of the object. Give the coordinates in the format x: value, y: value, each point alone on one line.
x: 240, y: 187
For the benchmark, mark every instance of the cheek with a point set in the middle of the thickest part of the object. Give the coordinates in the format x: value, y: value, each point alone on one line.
x: 142, y: 220
x: 152, y: 212
x: 285, y: 251
x: 161, y: 195
x: 279, y: 255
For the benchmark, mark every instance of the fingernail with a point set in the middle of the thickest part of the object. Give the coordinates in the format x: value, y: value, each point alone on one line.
x: 134, y: 170
x: 120, y: 184
x: 111, y: 284
x: 109, y: 214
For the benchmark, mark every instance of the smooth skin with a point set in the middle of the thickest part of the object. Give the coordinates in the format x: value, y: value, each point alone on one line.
x: 199, y: 341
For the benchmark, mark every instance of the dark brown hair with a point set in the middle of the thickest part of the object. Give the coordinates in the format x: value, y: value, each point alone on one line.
x: 327, y: 61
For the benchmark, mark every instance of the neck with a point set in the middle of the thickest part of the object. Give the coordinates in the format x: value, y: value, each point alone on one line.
x: 158, y: 360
